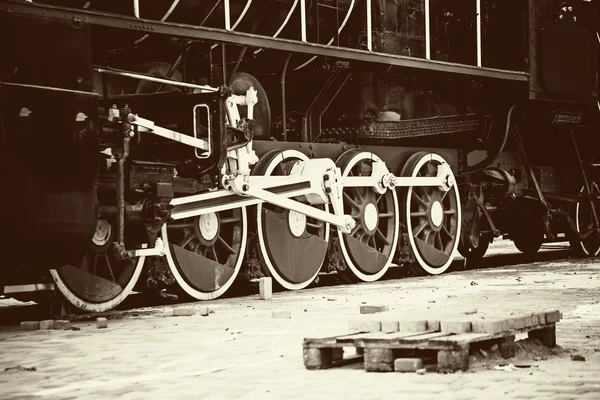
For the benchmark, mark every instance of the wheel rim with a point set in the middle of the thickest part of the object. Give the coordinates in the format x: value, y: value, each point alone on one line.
x: 100, y: 282
x: 293, y: 246
x: 583, y: 220
x: 434, y: 240
x: 205, y: 253
x: 369, y: 249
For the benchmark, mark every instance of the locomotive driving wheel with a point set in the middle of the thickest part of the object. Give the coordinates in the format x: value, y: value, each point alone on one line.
x: 293, y: 246
x: 433, y: 216
x: 590, y: 246
x: 101, y: 281
x: 205, y: 252
x: 368, y: 250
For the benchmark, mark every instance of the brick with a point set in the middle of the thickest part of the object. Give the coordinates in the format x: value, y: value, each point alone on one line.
x: 433, y: 325
x: 282, y: 314
x: 408, y: 364
x: 490, y: 326
x: 30, y: 325
x: 455, y: 326
x: 552, y: 316
x: 412, y: 326
x: 101, y: 323
x: 389, y: 326
x: 47, y: 324
x: 364, y: 325
x: 516, y: 323
x: 183, y: 312
x: 365, y: 309
x: 265, y: 288
x: 62, y: 324
x: 541, y: 318
x: 204, y: 311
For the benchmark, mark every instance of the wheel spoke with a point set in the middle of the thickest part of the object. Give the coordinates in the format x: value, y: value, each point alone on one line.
x: 109, y: 267
x: 450, y: 212
x: 186, y: 239
x: 418, y: 198
x: 417, y: 231
x: 418, y: 214
x: 214, y: 253
x: 386, y: 215
x: 438, y: 241
x: 351, y: 201
x: 313, y: 225
x: 226, y: 245
x: 382, y: 237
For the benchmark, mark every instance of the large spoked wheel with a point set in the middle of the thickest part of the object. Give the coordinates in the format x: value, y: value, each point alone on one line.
x: 101, y: 281
x: 293, y: 246
x: 205, y: 253
x: 433, y: 217
x: 369, y: 249
x: 590, y: 246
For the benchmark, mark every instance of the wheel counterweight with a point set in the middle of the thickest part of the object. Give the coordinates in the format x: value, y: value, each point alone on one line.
x: 368, y: 250
x: 101, y: 281
x: 292, y: 245
x: 432, y: 215
x: 205, y: 253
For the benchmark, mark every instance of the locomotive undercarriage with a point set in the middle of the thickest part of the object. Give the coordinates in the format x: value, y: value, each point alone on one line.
x: 189, y: 180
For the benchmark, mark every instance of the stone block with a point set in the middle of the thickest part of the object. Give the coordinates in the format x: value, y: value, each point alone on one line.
x: 30, y: 325
x: 408, y: 364
x: 47, y: 324
x: 552, y: 316
x: 265, y: 288
x: 62, y: 324
x: 101, y: 323
x: 366, y: 309
x: 412, y: 326
x: 455, y: 326
x: 489, y: 326
x: 204, y: 311
x: 183, y: 312
x: 364, y: 325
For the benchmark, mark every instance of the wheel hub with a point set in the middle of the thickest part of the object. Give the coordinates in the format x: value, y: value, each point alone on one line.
x: 296, y: 223
x: 371, y: 217
x: 102, y: 233
x: 209, y: 226
x: 437, y: 213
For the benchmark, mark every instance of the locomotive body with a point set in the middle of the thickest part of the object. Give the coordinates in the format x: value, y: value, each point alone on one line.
x: 187, y: 145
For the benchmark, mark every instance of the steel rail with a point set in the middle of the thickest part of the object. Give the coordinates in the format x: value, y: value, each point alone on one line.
x: 251, y: 40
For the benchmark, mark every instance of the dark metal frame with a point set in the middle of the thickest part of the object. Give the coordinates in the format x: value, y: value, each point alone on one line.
x: 252, y: 40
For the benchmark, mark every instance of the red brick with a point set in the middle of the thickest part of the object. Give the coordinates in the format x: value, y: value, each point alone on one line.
x: 204, y: 311
x: 280, y: 314
x: 412, y: 326
x: 62, y: 324
x: 364, y: 325
x: 552, y: 316
x: 265, y: 288
x: 490, y: 325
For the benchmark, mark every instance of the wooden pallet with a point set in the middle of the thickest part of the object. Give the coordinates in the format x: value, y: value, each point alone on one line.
x: 446, y: 352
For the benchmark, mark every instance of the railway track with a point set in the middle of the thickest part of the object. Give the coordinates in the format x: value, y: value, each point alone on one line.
x: 502, y: 253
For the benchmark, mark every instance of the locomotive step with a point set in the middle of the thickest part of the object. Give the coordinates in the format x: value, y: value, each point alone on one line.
x: 440, y: 351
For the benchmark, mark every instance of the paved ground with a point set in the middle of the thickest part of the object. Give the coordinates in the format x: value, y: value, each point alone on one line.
x: 240, y: 351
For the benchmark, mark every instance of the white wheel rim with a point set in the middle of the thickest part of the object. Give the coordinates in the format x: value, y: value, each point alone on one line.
x: 187, y: 288
x: 439, y: 270
x: 286, y: 154
x: 360, y: 275
x: 98, y: 307
x: 581, y: 244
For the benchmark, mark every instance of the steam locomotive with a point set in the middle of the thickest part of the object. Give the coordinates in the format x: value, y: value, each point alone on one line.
x: 186, y: 145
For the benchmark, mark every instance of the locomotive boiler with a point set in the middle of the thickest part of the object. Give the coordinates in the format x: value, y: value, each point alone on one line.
x: 186, y: 145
